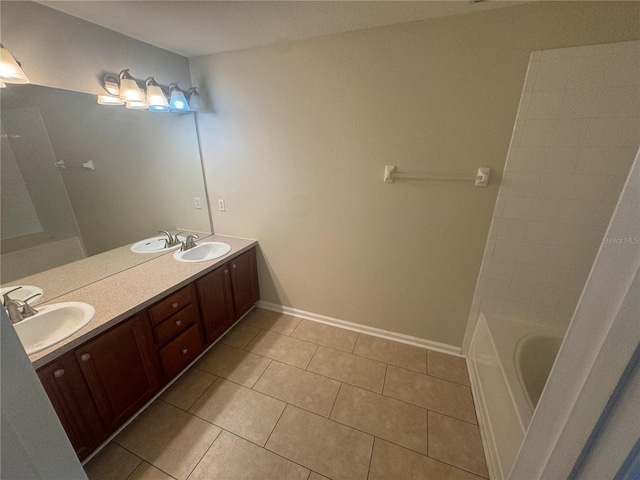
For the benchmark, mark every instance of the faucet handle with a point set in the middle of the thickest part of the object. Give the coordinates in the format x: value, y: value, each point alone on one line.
x: 6, y: 297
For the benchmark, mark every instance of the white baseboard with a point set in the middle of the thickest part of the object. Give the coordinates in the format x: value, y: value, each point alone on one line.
x: 356, y: 327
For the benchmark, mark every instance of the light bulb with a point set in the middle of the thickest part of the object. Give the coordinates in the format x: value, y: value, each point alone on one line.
x: 178, y: 101
x: 129, y: 90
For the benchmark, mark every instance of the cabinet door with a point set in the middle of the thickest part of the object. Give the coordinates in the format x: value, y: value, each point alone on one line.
x: 118, y: 372
x: 216, y: 302
x: 244, y: 280
x: 72, y: 401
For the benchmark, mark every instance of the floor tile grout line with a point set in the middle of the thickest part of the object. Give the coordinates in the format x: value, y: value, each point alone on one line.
x: 197, y: 399
x: 311, y: 359
x: 431, y: 376
x: 426, y: 456
x: 373, y: 446
x: 384, y: 382
x: 205, y: 453
x: 141, y: 460
x: 458, y: 467
x: 451, y: 416
x: 265, y: 447
x: 139, y: 463
x: 261, y: 375
x: 355, y: 344
x: 334, y: 401
x: 275, y: 424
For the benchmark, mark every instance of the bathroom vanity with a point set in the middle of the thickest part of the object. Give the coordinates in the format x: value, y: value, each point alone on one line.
x: 151, y: 322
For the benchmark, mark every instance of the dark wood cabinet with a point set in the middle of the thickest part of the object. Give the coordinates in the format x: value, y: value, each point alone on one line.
x: 180, y: 351
x: 244, y: 282
x: 117, y: 369
x: 98, y: 386
x: 227, y: 293
x: 216, y: 302
x: 70, y: 396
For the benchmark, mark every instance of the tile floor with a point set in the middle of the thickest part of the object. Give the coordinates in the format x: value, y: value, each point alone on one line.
x: 284, y: 398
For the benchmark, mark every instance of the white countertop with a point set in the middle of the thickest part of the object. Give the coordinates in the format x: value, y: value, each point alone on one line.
x: 121, y: 295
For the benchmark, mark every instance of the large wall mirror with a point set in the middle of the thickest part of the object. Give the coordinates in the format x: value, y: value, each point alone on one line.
x: 81, y: 179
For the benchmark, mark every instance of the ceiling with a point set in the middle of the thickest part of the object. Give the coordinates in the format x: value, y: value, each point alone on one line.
x: 194, y: 28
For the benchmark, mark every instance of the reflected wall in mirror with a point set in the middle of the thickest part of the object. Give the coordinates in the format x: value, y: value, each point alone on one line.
x: 147, y: 173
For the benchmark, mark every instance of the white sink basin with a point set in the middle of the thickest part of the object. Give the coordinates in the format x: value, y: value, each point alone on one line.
x: 24, y: 292
x: 52, y: 324
x: 203, y: 251
x: 154, y: 245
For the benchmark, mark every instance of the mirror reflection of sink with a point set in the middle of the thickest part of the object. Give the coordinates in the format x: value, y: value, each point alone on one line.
x: 154, y: 245
x: 52, y: 324
x: 22, y: 293
x: 203, y: 251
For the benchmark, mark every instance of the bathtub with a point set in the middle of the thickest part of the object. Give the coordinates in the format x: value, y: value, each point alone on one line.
x: 509, y: 362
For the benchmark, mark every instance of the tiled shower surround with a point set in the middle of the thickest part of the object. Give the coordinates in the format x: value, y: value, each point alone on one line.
x: 576, y: 134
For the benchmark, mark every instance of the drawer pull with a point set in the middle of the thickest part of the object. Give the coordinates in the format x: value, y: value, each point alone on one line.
x: 174, y: 305
x: 184, y: 351
x: 58, y: 373
x: 178, y: 323
x: 233, y: 266
x: 85, y: 357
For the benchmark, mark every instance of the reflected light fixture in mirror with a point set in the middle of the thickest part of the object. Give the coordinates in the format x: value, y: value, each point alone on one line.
x: 178, y: 101
x: 10, y: 69
x: 129, y: 89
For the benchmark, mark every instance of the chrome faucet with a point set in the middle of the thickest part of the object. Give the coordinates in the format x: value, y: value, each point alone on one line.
x: 171, y: 240
x: 18, y: 310
x: 188, y: 243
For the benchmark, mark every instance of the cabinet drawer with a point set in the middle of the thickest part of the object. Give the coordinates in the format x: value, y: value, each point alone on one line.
x: 175, y: 324
x: 170, y: 305
x: 179, y: 352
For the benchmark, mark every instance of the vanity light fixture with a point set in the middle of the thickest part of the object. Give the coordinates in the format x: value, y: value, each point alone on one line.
x: 123, y: 89
x: 2, y: 84
x: 178, y: 102
x: 10, y: 69
x: 129, y: 89
x: 156, y: 99
x: 195, y: 101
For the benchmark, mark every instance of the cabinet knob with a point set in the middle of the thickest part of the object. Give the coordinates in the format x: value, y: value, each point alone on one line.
x: 184, y: 350
x: 58, y: 373
x: 226, y: 270
x: 233, y: 266
x: 174, y: 305
x: 178, y: 323
x: 85, y: 357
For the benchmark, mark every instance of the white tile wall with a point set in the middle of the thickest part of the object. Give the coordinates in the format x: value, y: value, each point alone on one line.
x: 575, y: 137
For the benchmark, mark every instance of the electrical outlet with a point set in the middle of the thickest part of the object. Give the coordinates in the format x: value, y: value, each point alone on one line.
x: 196, y: 201
x: 221, y: 206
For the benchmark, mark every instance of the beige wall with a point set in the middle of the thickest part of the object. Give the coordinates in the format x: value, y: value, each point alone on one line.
x: 58, y: 50
x: 302, y: 131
